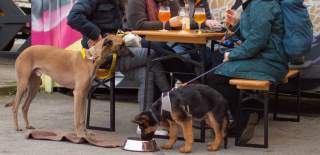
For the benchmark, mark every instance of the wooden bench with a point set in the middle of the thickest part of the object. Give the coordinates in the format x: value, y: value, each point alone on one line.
x: 260, y: 84
x: 258, y: 90
x: 296, y: 93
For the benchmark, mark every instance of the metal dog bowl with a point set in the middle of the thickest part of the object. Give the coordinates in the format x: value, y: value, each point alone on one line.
x: 138, y: 145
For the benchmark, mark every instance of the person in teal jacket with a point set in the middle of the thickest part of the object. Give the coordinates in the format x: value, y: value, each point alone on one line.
x: 260, y: 56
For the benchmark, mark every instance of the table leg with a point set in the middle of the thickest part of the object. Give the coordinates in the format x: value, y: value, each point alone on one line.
x: 202, y: 70
x: 147, y: 76
x: 112, y: 103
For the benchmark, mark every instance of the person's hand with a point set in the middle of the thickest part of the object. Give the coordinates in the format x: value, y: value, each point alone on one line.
x: 93, y: 42
x: 175, y: 21
x: 226, y: 56
x: 212, y: 23
x: 230, y: 18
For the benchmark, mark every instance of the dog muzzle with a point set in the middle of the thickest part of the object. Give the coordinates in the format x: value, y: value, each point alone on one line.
x: 108, y: 68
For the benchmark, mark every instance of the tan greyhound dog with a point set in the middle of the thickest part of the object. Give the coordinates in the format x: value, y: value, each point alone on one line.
x: 69, y: 69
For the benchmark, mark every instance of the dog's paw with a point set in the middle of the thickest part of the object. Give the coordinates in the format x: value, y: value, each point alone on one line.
x: 213, y: 147
x: 18, y: 130
x: 82, y: 134
x: 30, y: 127
x: 166, y: 146
x: 185, y: 149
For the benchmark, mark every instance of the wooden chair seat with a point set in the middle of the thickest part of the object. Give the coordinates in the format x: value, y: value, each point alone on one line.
x: 251, y: 84
x: 260, y: 84
x: 291, y: 73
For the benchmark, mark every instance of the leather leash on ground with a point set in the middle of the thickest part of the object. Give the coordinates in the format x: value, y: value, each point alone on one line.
x: 203, y: 74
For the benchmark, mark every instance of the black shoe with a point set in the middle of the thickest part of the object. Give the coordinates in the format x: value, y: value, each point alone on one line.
x: 249, y: 130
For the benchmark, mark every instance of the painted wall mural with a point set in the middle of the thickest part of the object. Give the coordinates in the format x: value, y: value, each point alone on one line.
x: 49, y: 23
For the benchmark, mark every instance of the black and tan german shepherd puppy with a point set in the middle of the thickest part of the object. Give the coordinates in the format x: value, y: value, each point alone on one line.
x: 194, y: 101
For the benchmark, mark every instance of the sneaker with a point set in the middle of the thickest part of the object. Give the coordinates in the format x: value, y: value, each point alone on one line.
x: 248, y: 132
x: 138, y: 131
x: 161, y: 132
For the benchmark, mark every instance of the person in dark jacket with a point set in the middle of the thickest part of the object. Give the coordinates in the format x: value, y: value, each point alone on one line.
x: 96, y: 18
x: 260, y: 56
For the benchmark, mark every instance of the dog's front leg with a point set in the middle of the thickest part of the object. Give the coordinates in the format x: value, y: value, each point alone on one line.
x: 79, y: 112
x: 173, y: 131
x: 187, y: 134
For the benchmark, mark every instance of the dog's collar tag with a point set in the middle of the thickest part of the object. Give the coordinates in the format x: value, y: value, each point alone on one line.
x: 166, y: 103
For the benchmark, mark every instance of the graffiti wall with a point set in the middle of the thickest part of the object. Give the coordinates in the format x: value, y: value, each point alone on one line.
x: 49, y: 23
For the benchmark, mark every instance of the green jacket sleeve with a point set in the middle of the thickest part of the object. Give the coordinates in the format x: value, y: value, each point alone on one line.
x: 260, y: 19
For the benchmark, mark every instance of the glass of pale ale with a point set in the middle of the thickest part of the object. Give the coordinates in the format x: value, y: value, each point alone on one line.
x: 199, y: 17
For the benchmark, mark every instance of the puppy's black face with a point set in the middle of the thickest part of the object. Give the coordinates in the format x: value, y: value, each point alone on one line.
x: 147, y: 125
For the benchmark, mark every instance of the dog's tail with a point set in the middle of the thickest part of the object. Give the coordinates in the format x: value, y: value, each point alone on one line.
x: 9, y: 104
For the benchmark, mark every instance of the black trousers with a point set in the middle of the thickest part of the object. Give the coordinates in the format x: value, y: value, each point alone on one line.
x: 172, y: 65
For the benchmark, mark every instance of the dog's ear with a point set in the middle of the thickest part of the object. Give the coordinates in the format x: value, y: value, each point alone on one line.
x: 107, y: 43
x: 137, y: 120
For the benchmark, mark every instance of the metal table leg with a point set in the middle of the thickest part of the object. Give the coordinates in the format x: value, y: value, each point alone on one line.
x: 147, y: 76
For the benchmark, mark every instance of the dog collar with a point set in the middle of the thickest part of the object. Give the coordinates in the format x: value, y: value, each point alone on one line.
x: 108, y: 73
x: 85, y: 53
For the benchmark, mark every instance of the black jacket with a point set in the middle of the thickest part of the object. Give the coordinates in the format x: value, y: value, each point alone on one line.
x: 95, y: 17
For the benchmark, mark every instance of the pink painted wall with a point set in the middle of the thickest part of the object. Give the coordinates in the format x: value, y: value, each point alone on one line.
x: 49, y: 23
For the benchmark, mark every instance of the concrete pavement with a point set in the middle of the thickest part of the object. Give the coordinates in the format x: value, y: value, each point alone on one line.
x: 55, y: 111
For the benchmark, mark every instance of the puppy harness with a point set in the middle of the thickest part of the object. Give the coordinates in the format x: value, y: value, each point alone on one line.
x: 166, y: 105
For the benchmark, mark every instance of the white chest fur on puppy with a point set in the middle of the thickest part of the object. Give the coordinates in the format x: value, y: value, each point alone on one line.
x: 166, y: 104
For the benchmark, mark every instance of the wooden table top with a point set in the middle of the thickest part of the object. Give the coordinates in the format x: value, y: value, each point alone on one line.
x: 179, y: 36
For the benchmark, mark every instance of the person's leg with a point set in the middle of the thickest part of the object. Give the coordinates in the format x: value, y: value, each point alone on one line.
x: 160, y: 78
x: 171, y: 65
x: 221, y: 84
x: 231, y: 94
x: 248, y: 119
x: 138, y: 74
x: 134, y: 67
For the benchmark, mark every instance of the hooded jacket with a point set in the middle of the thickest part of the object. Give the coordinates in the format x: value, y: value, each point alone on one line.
x: 261, y: 55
